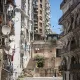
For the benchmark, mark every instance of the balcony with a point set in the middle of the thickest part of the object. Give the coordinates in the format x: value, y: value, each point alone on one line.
x: 35, y: 6
x: 72, y: 7
x: 36, y: 31
x: 7, y: 67
x: 48, y: 12
x: 62, y: 4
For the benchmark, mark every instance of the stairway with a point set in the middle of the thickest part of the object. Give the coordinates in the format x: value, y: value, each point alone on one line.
x: 29, y: 71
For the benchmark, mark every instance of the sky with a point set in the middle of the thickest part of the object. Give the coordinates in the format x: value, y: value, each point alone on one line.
x: 56, y: 13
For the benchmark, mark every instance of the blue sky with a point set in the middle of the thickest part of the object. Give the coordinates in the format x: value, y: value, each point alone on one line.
x: 56, y: 13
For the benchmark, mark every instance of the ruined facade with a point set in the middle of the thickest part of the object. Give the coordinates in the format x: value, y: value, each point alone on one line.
x: 70, y: 40
x: 16, y: 15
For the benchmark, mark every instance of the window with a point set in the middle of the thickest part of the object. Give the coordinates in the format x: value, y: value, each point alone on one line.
x: 3, y: 41
x: 40, y: 30
x: 36, y: 25
x: 40, y: 24
x: 40, y: 12
x: 35, y: 28
x: 40, y: 18
x: 37, y: 50
x: 58, y: 52
x: 40, y: 5
x: 35, y: 15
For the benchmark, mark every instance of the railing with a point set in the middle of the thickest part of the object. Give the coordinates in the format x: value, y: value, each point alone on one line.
x: 72, y: 7
x: 7, y: 67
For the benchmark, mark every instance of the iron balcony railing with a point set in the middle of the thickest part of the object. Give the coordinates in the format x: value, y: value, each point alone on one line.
x: 72, y: 7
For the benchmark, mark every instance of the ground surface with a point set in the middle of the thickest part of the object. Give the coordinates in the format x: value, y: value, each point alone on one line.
x: 42, y: 78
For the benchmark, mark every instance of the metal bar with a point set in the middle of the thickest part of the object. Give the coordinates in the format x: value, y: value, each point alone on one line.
x: 6, y: 70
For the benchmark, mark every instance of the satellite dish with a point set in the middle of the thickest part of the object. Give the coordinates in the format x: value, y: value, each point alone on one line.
x: 6, y: 29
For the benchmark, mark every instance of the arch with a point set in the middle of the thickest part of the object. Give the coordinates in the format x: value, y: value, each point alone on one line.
x: 73, y: 60
x: 73, y: 44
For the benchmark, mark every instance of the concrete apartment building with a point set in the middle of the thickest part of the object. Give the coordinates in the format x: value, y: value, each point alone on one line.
x: 15, y: 46
x: 41, y: 9
x: 70, y: 39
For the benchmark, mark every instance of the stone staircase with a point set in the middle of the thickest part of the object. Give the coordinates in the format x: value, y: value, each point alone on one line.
x: 29, y: 71
x: 33, y: 71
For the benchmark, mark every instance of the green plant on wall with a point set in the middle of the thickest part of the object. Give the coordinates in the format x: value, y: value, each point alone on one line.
x: 39, y: 61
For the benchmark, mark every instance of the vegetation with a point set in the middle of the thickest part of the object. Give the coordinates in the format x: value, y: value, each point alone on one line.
x: 40, y: 61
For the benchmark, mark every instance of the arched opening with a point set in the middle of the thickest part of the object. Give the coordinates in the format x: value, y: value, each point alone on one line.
x: 73, y: 60
x: 73, y: 44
